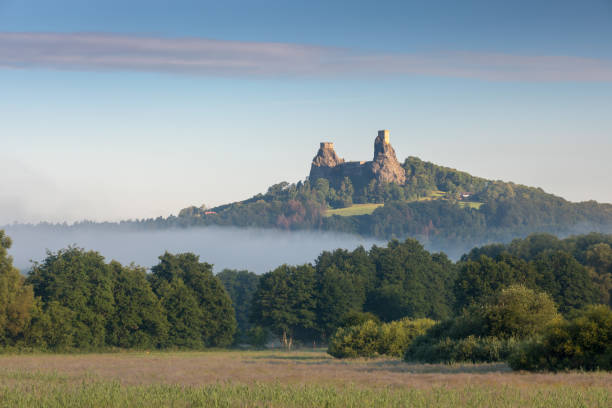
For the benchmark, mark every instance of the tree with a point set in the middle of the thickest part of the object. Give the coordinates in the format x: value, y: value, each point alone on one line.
x: 80, y: 284
x: 241, y: 286
x: 480, y: 279
x: 585, y: 343
x: 337, y: 293
x: 139, y: 320
x: 410, y: 282
x: 285, y: 303
x: 599, y: 257
x: 568, y: 282
x: 199, y: 309
x: 16, y: 298
x: 487, y: 331
x: 518, y: 312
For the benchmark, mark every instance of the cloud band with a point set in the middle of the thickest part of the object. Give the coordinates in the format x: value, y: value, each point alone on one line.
x: 201, y: 56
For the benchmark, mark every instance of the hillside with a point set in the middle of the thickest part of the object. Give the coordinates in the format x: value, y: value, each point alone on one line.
x: 443, y: 207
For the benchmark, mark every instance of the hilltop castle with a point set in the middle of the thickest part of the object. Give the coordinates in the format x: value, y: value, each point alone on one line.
x: 383, y: 168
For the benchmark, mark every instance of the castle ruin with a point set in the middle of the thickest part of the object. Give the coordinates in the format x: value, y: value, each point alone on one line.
x: 384, y: 167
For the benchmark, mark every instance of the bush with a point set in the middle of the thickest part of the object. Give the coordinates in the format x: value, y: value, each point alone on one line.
x: 487, y: 332
x: 371, y: 339
x: 584, y: 342
x: 257, y: 336
x: 470, y: 349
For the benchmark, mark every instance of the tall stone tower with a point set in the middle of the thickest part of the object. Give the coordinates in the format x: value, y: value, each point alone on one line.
x: 384, y: 134
x: 385, y: 166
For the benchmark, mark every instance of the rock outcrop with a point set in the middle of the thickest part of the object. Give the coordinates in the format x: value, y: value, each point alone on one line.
x: 383, y: 168
x: 326, y: 156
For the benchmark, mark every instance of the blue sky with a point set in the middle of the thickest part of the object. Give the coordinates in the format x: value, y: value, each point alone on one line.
x: 137, y: 109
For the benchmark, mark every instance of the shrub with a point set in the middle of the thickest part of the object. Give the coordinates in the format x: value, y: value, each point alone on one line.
x: 257, y: 336
x: 487, y: 332
x: 472, y: 349
x: 371, y: 339
x: 584, y: 342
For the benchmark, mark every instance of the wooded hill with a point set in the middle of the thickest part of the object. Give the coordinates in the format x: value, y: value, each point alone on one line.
x: 444, y: 208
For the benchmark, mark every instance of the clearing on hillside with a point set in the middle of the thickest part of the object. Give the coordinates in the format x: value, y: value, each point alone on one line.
x: 355, y: 209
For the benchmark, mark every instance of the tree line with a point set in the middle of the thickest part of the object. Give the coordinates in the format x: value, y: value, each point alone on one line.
x: 483, y: 303
x: 74, y: 299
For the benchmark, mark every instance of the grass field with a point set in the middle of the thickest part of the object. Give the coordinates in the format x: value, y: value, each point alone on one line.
x: 470, y: 204
x: 363, y: 209
x: 281, y: 379
x: 355, y: 209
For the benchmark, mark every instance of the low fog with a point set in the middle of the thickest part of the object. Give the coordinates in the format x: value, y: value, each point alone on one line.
x: 257, y: 250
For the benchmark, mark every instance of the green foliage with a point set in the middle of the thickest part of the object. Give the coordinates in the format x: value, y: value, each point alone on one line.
x: 468, y: 349
x: 337, y: 292
x: 356, y: 341
x: 84, y: 303
x: 556, y: 272
x: 401, y: 280
x: 257, y: 336
x: 518, y: 312
x: 410, y: 282
x: 139, y: 320
x: 79, y: 281
x: 486, y: 332
x: 568, y: 282
x: 51, y: 327
x: 241, y: 286
x: 355, y: 318
x: 584, y: 342
x: 16, y: 298
x: 198, y: 308
x: 285, y: 302
x: 370, y: 339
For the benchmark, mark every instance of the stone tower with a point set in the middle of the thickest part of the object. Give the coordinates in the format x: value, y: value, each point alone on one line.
x: 385, y: 166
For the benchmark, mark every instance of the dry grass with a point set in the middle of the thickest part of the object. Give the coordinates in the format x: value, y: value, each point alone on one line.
x: 311, y: 367
x: 281, y: 379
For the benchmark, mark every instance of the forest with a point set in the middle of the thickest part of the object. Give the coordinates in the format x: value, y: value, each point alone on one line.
x: 529, y: 302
